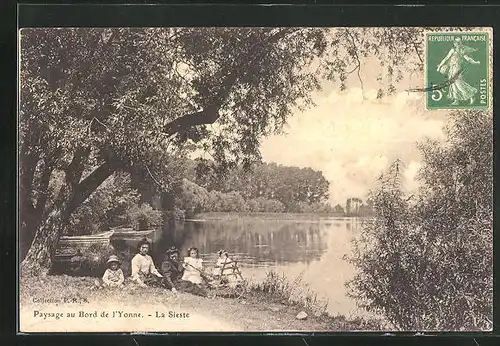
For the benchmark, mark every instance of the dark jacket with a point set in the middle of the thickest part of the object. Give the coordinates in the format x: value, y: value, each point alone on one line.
x: 172, y: 272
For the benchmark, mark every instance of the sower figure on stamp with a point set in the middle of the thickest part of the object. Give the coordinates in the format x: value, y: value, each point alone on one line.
x: 144, y: 271
x: 451, y: 66
x: 173, y: 270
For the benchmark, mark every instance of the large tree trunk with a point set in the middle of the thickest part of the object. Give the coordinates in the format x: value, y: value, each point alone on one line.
x: 38, y: 260
x: 27, y: 229
x: 27, y: 211
x: 32, y: 216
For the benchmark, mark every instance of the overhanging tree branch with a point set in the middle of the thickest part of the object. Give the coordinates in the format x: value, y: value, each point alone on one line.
x: 88, y: 185
x: 417, y: 51
x: 75, y: 169
x: 210, y: 114
x: 358, y: 62
x: 207, y: 116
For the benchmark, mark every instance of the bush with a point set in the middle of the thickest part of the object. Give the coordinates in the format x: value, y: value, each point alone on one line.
x: 263, y: 205
x: 144, y: 216
x: 233, y: 202
x: 427, y: 265
x: 295, y: 292
x: 174, y: 215
x: 113, y: 204
x: 191, y: 198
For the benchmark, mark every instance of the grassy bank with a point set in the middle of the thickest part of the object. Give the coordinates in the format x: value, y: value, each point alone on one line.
x: 269, y: 306
x: 296, y: 295
x: 266, y: 216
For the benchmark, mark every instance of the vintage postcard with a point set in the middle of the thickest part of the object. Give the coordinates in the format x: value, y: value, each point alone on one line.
x: 255, y: 179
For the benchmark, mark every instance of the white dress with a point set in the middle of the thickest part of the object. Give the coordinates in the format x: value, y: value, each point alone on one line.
x: 190, y: 273
x: 222, y: 262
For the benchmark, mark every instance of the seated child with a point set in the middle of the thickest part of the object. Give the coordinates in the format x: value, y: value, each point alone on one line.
x: 223, y: 263
x: 193, y: 267
x: 113, y: 276
x: 173, y: 271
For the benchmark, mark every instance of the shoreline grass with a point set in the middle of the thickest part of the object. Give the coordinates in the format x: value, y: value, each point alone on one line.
x: 278, y: 288
x: 294, y: 293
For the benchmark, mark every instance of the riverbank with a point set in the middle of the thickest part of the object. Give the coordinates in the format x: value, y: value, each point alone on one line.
x: 266, y: 216
x: 159, y: 310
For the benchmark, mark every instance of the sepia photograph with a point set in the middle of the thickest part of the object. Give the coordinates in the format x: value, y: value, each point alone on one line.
x: 255, y: 179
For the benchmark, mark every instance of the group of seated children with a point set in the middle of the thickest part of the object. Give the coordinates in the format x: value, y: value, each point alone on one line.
x: 187, y: 276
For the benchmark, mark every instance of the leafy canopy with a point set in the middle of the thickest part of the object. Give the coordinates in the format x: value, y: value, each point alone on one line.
x: 146, y: 96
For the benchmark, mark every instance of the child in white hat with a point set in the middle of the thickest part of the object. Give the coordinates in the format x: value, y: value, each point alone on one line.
x: 113, y: 276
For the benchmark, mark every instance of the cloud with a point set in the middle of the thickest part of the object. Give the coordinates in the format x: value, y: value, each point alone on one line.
x: 352, y: 137
x: 410, y: 175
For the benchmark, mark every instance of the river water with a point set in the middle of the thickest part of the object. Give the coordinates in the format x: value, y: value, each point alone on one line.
x: 311, y: 248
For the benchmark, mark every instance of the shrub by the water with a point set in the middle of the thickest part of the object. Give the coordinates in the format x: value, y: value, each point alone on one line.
x: 260, y: 204
x: 113, y: 204
x: 143, y: 216
x: 279, y: 288
x: 176, y: 214
x: 425, y: 262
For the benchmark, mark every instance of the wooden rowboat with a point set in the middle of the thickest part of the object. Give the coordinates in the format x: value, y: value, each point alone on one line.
x: 130, y: 233
x: 68, y: 245
x: 103, y: 238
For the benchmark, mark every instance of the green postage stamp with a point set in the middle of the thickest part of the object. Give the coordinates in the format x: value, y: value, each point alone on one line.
x: 458, y: 70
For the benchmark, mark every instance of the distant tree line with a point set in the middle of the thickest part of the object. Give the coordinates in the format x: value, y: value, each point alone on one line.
x: 356, y: 207
x: 294, y: 187
x: 264, y: 187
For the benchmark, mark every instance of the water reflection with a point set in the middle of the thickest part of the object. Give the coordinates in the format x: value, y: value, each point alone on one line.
x: 252, y: 242
x: 313, y: 249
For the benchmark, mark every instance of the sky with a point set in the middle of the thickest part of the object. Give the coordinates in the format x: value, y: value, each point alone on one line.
x: 353, y: 139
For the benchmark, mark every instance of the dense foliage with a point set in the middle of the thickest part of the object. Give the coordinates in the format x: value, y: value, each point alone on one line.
x: 113, y: 204
x: 263, y: 187
x: 195, y: 199
x: 428, y: 264
x: 95, y: 101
